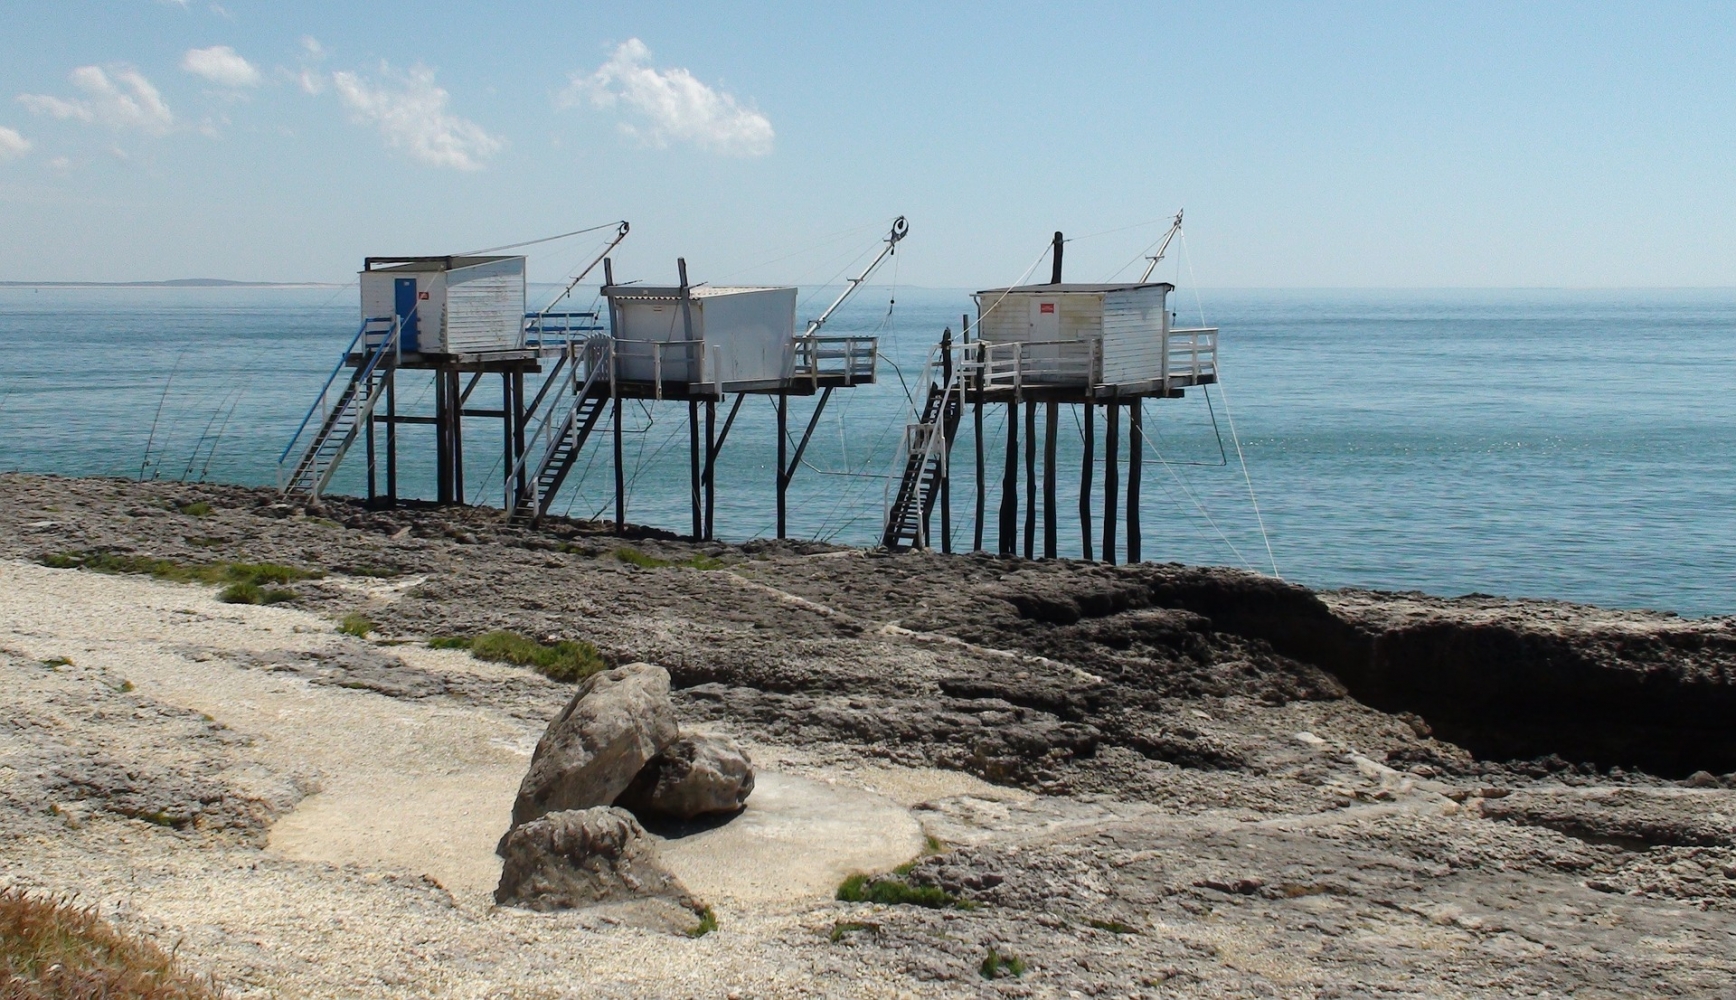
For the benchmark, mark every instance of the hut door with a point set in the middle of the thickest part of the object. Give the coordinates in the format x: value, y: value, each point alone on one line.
x: 404, y: 305
x: 1045, y: 320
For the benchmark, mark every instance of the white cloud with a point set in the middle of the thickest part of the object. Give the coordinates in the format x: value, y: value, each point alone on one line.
x: 312, y: 47
x: 12, y: 145
x: 311, y: 82
x: 127, y: 101
x: 412, y: 116
x: 221, y: 65
x: 671, y: 105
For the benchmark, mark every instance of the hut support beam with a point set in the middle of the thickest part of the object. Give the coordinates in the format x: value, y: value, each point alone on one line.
x: 1010, y: 486
x: 1085, y: 474
x: 1135, y: 441
x: 1031, y: 479
x: 1051, y: 425
x: 392, y: 438
x: 787, y: 473
x: 1111, y: 477
x: 620, y: 473
x: 981, y: 471
x: 783, y: 458
x: 693, y: 468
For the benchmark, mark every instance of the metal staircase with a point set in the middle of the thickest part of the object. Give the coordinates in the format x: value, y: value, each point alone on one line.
x: 343, y: 416
x: 567, y: 427
x: 925, y: 457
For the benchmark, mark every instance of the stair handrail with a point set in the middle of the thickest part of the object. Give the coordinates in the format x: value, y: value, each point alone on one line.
x: 593, y: 372
x: 343, y: 359
x: 932, y: 434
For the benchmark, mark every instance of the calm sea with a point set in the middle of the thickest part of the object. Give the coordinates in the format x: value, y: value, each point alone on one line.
x: 1562, y: 444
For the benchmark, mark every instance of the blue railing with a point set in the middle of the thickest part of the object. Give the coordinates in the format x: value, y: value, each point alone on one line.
x: 379, y: 352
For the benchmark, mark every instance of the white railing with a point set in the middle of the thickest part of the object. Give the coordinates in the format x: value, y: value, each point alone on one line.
x: 854, y: 359
x: 635, y: 359
x: 1191, y: 354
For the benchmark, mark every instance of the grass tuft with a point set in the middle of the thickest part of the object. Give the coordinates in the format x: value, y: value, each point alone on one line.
x: 566, y: 660
x: 1112, y: 926
x: 707, y: 924
x: 843, y: 927
x: 257, y: 574
x: 196, y: 509
x: 893, y: 892
x: 357, y: 624
x: 998, y: 966
x: 633, y: 557
x: 51, y: 949
x: 247, y: 592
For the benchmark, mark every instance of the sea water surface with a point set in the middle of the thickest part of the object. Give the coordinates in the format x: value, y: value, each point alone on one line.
x: 1567, y: 444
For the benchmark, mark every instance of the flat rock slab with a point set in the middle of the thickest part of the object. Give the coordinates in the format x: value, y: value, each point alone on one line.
x: 796, y: 840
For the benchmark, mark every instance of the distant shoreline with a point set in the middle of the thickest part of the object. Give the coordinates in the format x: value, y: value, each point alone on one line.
x: 174, y: 283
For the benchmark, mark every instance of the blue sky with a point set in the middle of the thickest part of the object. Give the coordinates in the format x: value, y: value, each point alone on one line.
x: 1390, y: 144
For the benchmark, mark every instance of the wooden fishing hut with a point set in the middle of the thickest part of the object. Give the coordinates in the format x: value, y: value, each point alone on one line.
x: 697, y: 344
x: 700, y: 345
x: 1040, y: 347
x: 458, y: 318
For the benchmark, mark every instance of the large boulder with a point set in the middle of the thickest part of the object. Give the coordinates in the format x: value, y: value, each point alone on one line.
x: 583, y: 857
x: 695, y: 776
x: 617, y: 721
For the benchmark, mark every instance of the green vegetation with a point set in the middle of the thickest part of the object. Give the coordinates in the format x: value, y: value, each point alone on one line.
x: 196, y: 509
x: 377, y: 572
x: 565, y: 660
x: 1112, y: 926
x: 51, y: 949
x: 58, y: 661
x: 895, y: 892
x: 256, y: 574
x: 844, y: 927
x: 932, y: 844
x: 357, y: 624
x: 707, y: 924
x: 998, y: 966
x: 126, y: 686
x: 633, y: 557
x: 325, y: 522
x: 252, y: 593
x: 204, y: 541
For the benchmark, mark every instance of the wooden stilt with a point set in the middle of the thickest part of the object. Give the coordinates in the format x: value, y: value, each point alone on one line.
x: 1085, y: 476
x: 1135, y: 451
x: 1010, y: 486
x: 1051, y: 425
x: 455, y: 403
x: 783, y: 455
x: 620, y: 473
x: 506, y: 438
x: 522, y: 486
x: 693, y: 467
x: 946, y: 453
x: 372, y: 419
x: 981, y: 467
x: 710, y: 467
x: 392, y: 438
x: 1111, y: 476
x: 1031, y: 480
x: 442, y: 446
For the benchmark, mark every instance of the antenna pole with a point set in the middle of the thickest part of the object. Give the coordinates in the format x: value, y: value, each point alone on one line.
x: 1055, y: 259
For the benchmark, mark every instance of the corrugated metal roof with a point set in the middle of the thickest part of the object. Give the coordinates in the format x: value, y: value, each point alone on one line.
x: 674, y: 291
x: 428, y: 263
x: 1070, y: 286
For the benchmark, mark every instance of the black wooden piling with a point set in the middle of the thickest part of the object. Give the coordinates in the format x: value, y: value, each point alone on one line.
x: 1111, y: 476
x: 1010, y: 486
x: 783, y: 455
x: 946, y: 429
x: 1135, y: 450
x: 1051, y: 425
x: 1031, y: 479
x: 1085, y: 473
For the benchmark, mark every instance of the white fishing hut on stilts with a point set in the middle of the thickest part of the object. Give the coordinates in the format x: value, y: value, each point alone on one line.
x: 1088, y: 345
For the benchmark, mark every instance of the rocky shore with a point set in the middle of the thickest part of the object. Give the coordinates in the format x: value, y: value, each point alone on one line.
x: 1154, y: 780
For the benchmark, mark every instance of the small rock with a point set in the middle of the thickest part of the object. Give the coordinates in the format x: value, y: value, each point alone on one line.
x: 695, y: 776
x: 582, y: 857
x: 1239, y: 886
x: 1703, y: 779
x: 616, y: 722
